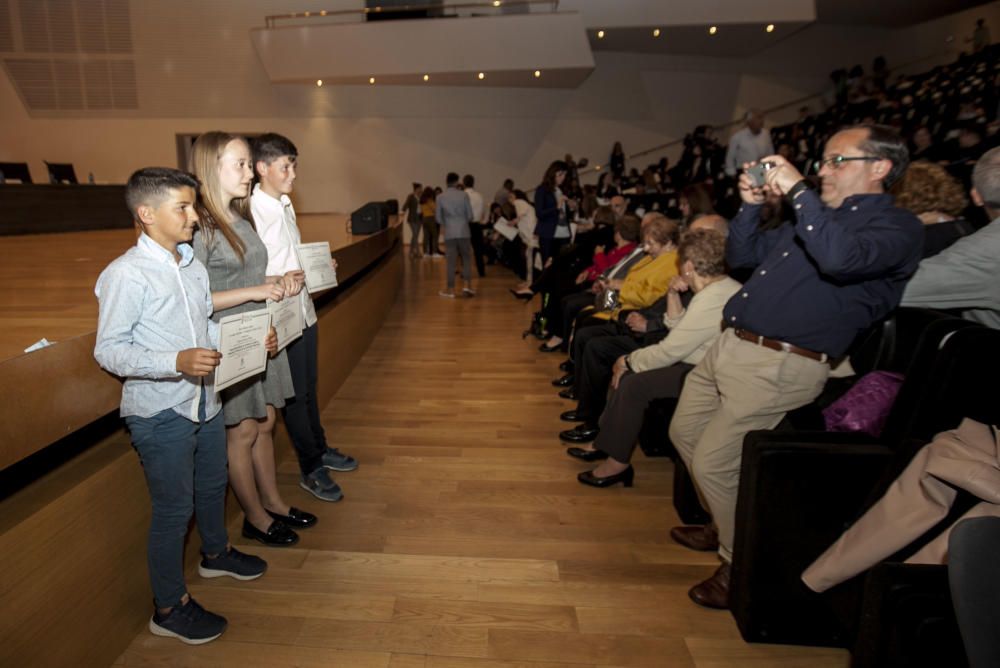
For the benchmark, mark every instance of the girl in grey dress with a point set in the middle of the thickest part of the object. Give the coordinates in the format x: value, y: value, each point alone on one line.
x: 236, y: 259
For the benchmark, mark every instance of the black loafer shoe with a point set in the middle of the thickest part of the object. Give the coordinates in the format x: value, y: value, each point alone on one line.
x: 586, y: 455
x: 568, y: 394
x: 625, y: 477
x: 567, y: 366
x: 580, y: 434
x: 574, y: 416
x: 296, y: 518
x: 565, y: 381
x: 277, y: 535
x: 546, y: 348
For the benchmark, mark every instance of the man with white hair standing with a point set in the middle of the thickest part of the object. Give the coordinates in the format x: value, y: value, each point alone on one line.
x: 749, y: 144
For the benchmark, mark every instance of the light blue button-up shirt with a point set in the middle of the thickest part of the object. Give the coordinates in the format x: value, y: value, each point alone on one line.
x: 151, y: 308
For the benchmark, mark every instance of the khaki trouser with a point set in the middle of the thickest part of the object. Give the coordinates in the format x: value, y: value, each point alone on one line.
x: 738, y: 387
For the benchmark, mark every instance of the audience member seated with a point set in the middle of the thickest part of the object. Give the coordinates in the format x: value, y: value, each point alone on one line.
x: 658, y: 371
x: 818, y: 283
x: 596, y: 348
x: 695, y: 201
x: 558, y: 321
x: 938, y: 199
x: 964, y: 275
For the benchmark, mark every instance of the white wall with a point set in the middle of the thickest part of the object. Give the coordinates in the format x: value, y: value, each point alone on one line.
x: 362, y: 143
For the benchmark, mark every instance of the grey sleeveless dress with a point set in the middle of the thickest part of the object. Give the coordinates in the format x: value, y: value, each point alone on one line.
x: 249, y: 398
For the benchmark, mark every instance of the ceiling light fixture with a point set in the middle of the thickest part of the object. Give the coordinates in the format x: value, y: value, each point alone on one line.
x: 538, y: 73
x: 496, y: 3
x: 713, y: 30
x: 319, y: 82
x: 656, y: 32
x: 482, y: 75
x: 600, y: 34
x: 770, y: 27
x: 371, y: 80
x: 427, y: 77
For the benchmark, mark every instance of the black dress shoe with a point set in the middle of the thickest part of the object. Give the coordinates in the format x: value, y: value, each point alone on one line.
x: 526, y: 296
x: 546, y: 348
x: 277, y: 535
x: 625, y: 477
x: 574, y: 416
x: 586, y: 455
x: 565, y: 381
x: 296, y: 518
x: 568, y: 394
x: 567, y: 366
x: 583, y: 433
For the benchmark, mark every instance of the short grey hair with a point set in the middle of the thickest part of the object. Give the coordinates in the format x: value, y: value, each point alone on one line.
x: 986, y: 177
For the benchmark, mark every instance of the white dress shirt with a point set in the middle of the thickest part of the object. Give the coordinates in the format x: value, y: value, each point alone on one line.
x: 478, y: 207
x: 275, y: 223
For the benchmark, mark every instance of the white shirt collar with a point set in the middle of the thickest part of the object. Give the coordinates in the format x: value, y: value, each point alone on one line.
x: 266, y: 200
x: 147, y: 244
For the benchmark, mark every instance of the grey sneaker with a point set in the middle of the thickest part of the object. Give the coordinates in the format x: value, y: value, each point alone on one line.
x: 321, y: 485
x: 190, y: 623
x: 335, y: 460
x: 233, y: 563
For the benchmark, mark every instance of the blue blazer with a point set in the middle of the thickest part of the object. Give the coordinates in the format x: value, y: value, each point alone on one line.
x: 546, y: 211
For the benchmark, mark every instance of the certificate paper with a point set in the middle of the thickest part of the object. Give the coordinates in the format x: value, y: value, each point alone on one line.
x: 286, y: 318
x: 315, y: 260
x: 241, y: 342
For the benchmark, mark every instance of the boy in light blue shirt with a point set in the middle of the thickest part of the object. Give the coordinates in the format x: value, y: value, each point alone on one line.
x: 155, y: 332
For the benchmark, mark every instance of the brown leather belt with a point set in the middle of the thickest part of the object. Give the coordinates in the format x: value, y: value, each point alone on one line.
x: 774, y: 344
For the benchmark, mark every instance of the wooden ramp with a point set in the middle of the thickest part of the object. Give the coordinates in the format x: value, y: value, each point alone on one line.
x: 464, y: 539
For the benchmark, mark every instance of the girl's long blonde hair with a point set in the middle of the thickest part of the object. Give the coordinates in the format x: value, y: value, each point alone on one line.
x: 212, y: 213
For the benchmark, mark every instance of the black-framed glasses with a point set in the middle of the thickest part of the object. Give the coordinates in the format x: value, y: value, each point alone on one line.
x: 837, y: 161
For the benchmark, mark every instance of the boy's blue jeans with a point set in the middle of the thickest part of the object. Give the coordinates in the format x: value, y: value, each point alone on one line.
x: 185, y: 467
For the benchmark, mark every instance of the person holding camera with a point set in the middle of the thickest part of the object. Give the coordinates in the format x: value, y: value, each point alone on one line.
x: 816, y: 283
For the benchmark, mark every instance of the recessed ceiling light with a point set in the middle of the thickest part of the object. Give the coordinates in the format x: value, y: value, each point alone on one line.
x: 427, y: 77
x: 600, y: 34
x: 713, y: 30
x: 496, y: 3
x: 482, y: 75
x: 770, y: 27
x: 538, y: 73
x: 656, y: 32
x: 371, y: 80
x: 319, y: 82
x: 322, y: 12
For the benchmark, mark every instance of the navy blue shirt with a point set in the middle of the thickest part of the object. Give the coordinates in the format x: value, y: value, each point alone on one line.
x: 821, y: 280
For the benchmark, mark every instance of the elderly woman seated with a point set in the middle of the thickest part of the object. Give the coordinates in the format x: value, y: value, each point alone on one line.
x: 658, y: 371
x: 938, y: 199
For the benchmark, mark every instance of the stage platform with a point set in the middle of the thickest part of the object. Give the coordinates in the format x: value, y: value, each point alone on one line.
x: 50, y: 294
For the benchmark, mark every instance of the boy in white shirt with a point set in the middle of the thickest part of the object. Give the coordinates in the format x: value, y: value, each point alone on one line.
x: 274, y: 160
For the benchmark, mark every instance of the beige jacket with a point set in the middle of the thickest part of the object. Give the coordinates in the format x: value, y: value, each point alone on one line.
x: 965, y: 458
x: 692, y: 333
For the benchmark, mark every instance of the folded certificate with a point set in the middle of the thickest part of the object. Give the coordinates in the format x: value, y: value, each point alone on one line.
x: 241, y: 342
x: 287, y: 320
x: 316, y: 261
x: 505, y: 229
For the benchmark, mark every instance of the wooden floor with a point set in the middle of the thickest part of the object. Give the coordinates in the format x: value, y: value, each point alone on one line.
x: 464, y: 538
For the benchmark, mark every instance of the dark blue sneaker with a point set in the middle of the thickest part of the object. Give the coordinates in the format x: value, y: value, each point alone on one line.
x: 321, y: 485
x: 190, y: 623
x: 335, y: 460
x: 233, y: 563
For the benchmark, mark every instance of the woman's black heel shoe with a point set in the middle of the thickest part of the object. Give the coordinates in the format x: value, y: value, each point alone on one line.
x: 625, y: 477
x: 521, y: 295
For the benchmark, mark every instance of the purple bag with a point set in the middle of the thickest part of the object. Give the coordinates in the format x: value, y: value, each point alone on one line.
x: 865, y: 407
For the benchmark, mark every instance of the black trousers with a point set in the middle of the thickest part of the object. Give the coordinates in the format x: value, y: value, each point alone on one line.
x: 597, y: 349
x: 622, y: 418
x: 476, y: 237
x: 560, y: 319
x: 302, y: 413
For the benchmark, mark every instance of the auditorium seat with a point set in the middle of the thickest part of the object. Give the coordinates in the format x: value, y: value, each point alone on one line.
x: 800, y: 490
x: 15, y: 171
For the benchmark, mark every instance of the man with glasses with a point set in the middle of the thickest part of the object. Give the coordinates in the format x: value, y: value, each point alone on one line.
x: 816, y: 283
